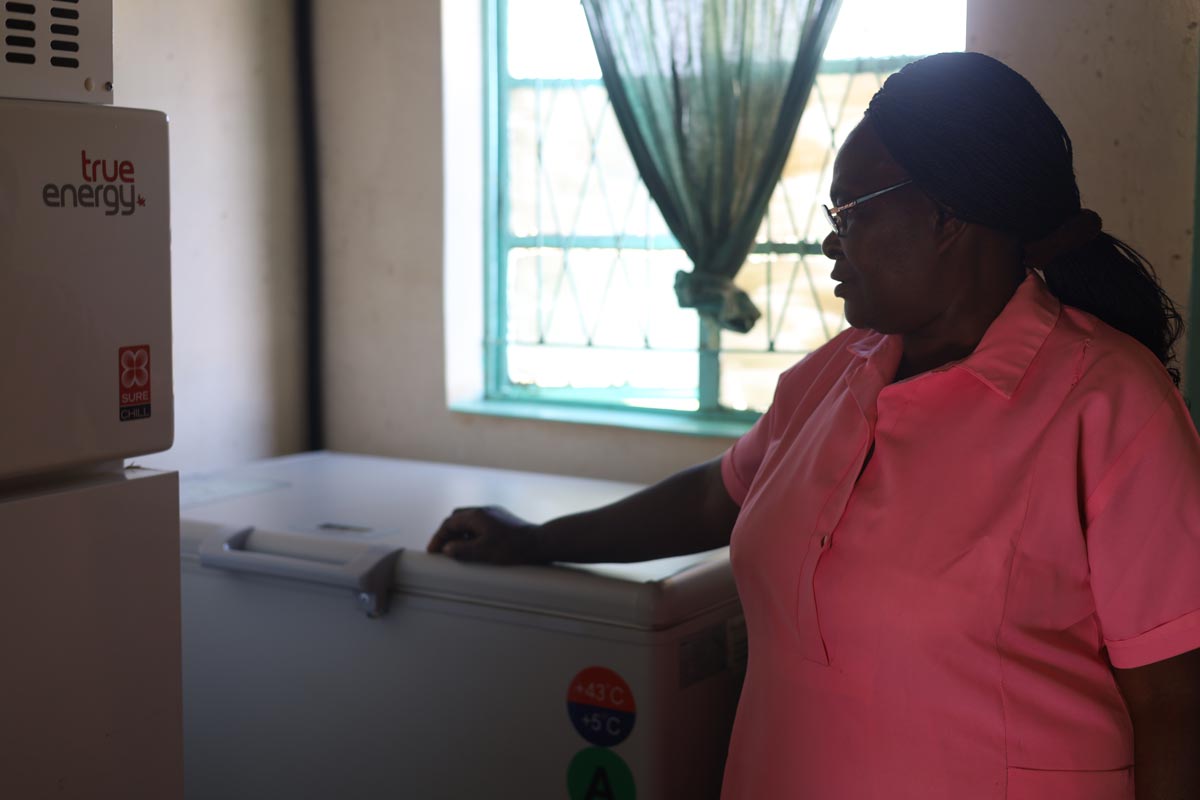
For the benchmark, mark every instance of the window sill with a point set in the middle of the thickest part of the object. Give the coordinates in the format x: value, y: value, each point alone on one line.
x: 730, y: 424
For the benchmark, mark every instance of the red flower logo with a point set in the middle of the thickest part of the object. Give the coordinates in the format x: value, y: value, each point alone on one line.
x: 134, y: 373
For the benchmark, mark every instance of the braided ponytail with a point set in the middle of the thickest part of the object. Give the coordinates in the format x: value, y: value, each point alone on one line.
x: 1110, y: 280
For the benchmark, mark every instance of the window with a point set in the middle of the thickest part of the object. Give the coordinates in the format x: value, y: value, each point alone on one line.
x: 581, y: 307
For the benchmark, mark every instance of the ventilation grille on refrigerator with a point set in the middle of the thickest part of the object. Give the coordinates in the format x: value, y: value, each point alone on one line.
x: 57, y: 50
x: 60, y: 31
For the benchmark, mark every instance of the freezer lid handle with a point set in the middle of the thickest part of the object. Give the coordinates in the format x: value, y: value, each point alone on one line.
x: 367, y: 570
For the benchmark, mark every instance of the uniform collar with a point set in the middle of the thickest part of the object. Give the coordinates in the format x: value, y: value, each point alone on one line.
x: 1007, y: 349
x: 1003, y: 356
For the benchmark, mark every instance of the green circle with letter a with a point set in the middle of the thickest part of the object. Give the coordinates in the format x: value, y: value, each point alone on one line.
x: 599, y: 774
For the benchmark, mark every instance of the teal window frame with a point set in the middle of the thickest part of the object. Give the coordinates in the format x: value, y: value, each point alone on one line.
x: 594, y: 406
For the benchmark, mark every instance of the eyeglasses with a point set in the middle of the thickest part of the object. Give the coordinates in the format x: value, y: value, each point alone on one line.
x: 837, y: 216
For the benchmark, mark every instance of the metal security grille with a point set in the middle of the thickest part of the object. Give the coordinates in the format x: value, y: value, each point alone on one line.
x: 581, y: 301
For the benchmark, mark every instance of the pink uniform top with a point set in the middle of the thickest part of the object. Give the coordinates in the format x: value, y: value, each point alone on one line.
x: 940, y: 622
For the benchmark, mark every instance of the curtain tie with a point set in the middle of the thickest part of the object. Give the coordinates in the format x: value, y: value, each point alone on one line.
x: 716, y: 296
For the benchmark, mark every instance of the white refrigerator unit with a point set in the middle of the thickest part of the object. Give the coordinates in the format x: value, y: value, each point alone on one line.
x: 90, y: 692
x: 327, y: 655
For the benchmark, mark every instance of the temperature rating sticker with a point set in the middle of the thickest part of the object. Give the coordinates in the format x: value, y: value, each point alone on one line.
x: 601, y: 706
x: 599, y: 774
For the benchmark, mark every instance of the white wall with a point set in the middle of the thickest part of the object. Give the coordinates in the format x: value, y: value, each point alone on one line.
x: 223, y: 72
x: 401, y: 193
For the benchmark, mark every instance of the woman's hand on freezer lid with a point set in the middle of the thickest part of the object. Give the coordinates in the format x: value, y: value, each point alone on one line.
x: 489, y: 534
x: 689, y: 512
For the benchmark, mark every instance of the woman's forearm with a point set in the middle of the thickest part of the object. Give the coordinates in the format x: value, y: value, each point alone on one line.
x: 1163, y: 699
x: 685, y: 513
x: 1166, y: 744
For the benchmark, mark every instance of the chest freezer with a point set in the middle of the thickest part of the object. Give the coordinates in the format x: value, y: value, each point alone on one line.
x: 326, y: 654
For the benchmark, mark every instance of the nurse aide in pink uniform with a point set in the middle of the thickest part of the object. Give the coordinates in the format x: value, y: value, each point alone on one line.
x: 966, y: 534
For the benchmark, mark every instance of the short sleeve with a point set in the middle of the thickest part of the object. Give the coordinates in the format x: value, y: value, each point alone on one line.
x: 740, y: 462
x: 804, y: 383
x: 1143, y: 540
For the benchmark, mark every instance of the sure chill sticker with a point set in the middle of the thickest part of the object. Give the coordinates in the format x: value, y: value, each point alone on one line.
x: 133, y: 382
x: 601, y: 706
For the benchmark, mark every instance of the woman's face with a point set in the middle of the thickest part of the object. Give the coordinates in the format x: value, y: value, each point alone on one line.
x: 887, y: 261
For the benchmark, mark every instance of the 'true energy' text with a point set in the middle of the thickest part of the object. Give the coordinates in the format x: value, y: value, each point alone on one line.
x: 107, y: 184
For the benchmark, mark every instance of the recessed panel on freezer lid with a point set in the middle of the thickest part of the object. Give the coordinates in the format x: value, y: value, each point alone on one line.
x: 85, y: 302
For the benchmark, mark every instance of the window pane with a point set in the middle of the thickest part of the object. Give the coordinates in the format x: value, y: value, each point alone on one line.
x: 601, y: 320
x: 586, y: 183
x: 877, y: 28
x: 757, y: 374
x: 603, y: 297
x: 549, y: 39
x: 795, y: 295
x: 837, y: 103
x: 649, y: 378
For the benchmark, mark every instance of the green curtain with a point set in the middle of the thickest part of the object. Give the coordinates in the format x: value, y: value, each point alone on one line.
x: 708, y: 94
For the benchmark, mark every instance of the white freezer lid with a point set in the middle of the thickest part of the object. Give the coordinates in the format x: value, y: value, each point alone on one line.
x: 323, y: 507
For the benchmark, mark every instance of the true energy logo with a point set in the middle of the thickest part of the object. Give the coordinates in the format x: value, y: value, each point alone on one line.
x: 107, y: 183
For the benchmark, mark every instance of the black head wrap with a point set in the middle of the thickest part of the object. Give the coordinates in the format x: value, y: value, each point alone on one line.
x: 980, y: 140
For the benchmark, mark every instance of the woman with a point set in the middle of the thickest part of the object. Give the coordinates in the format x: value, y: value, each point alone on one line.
x: 966, y: 534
